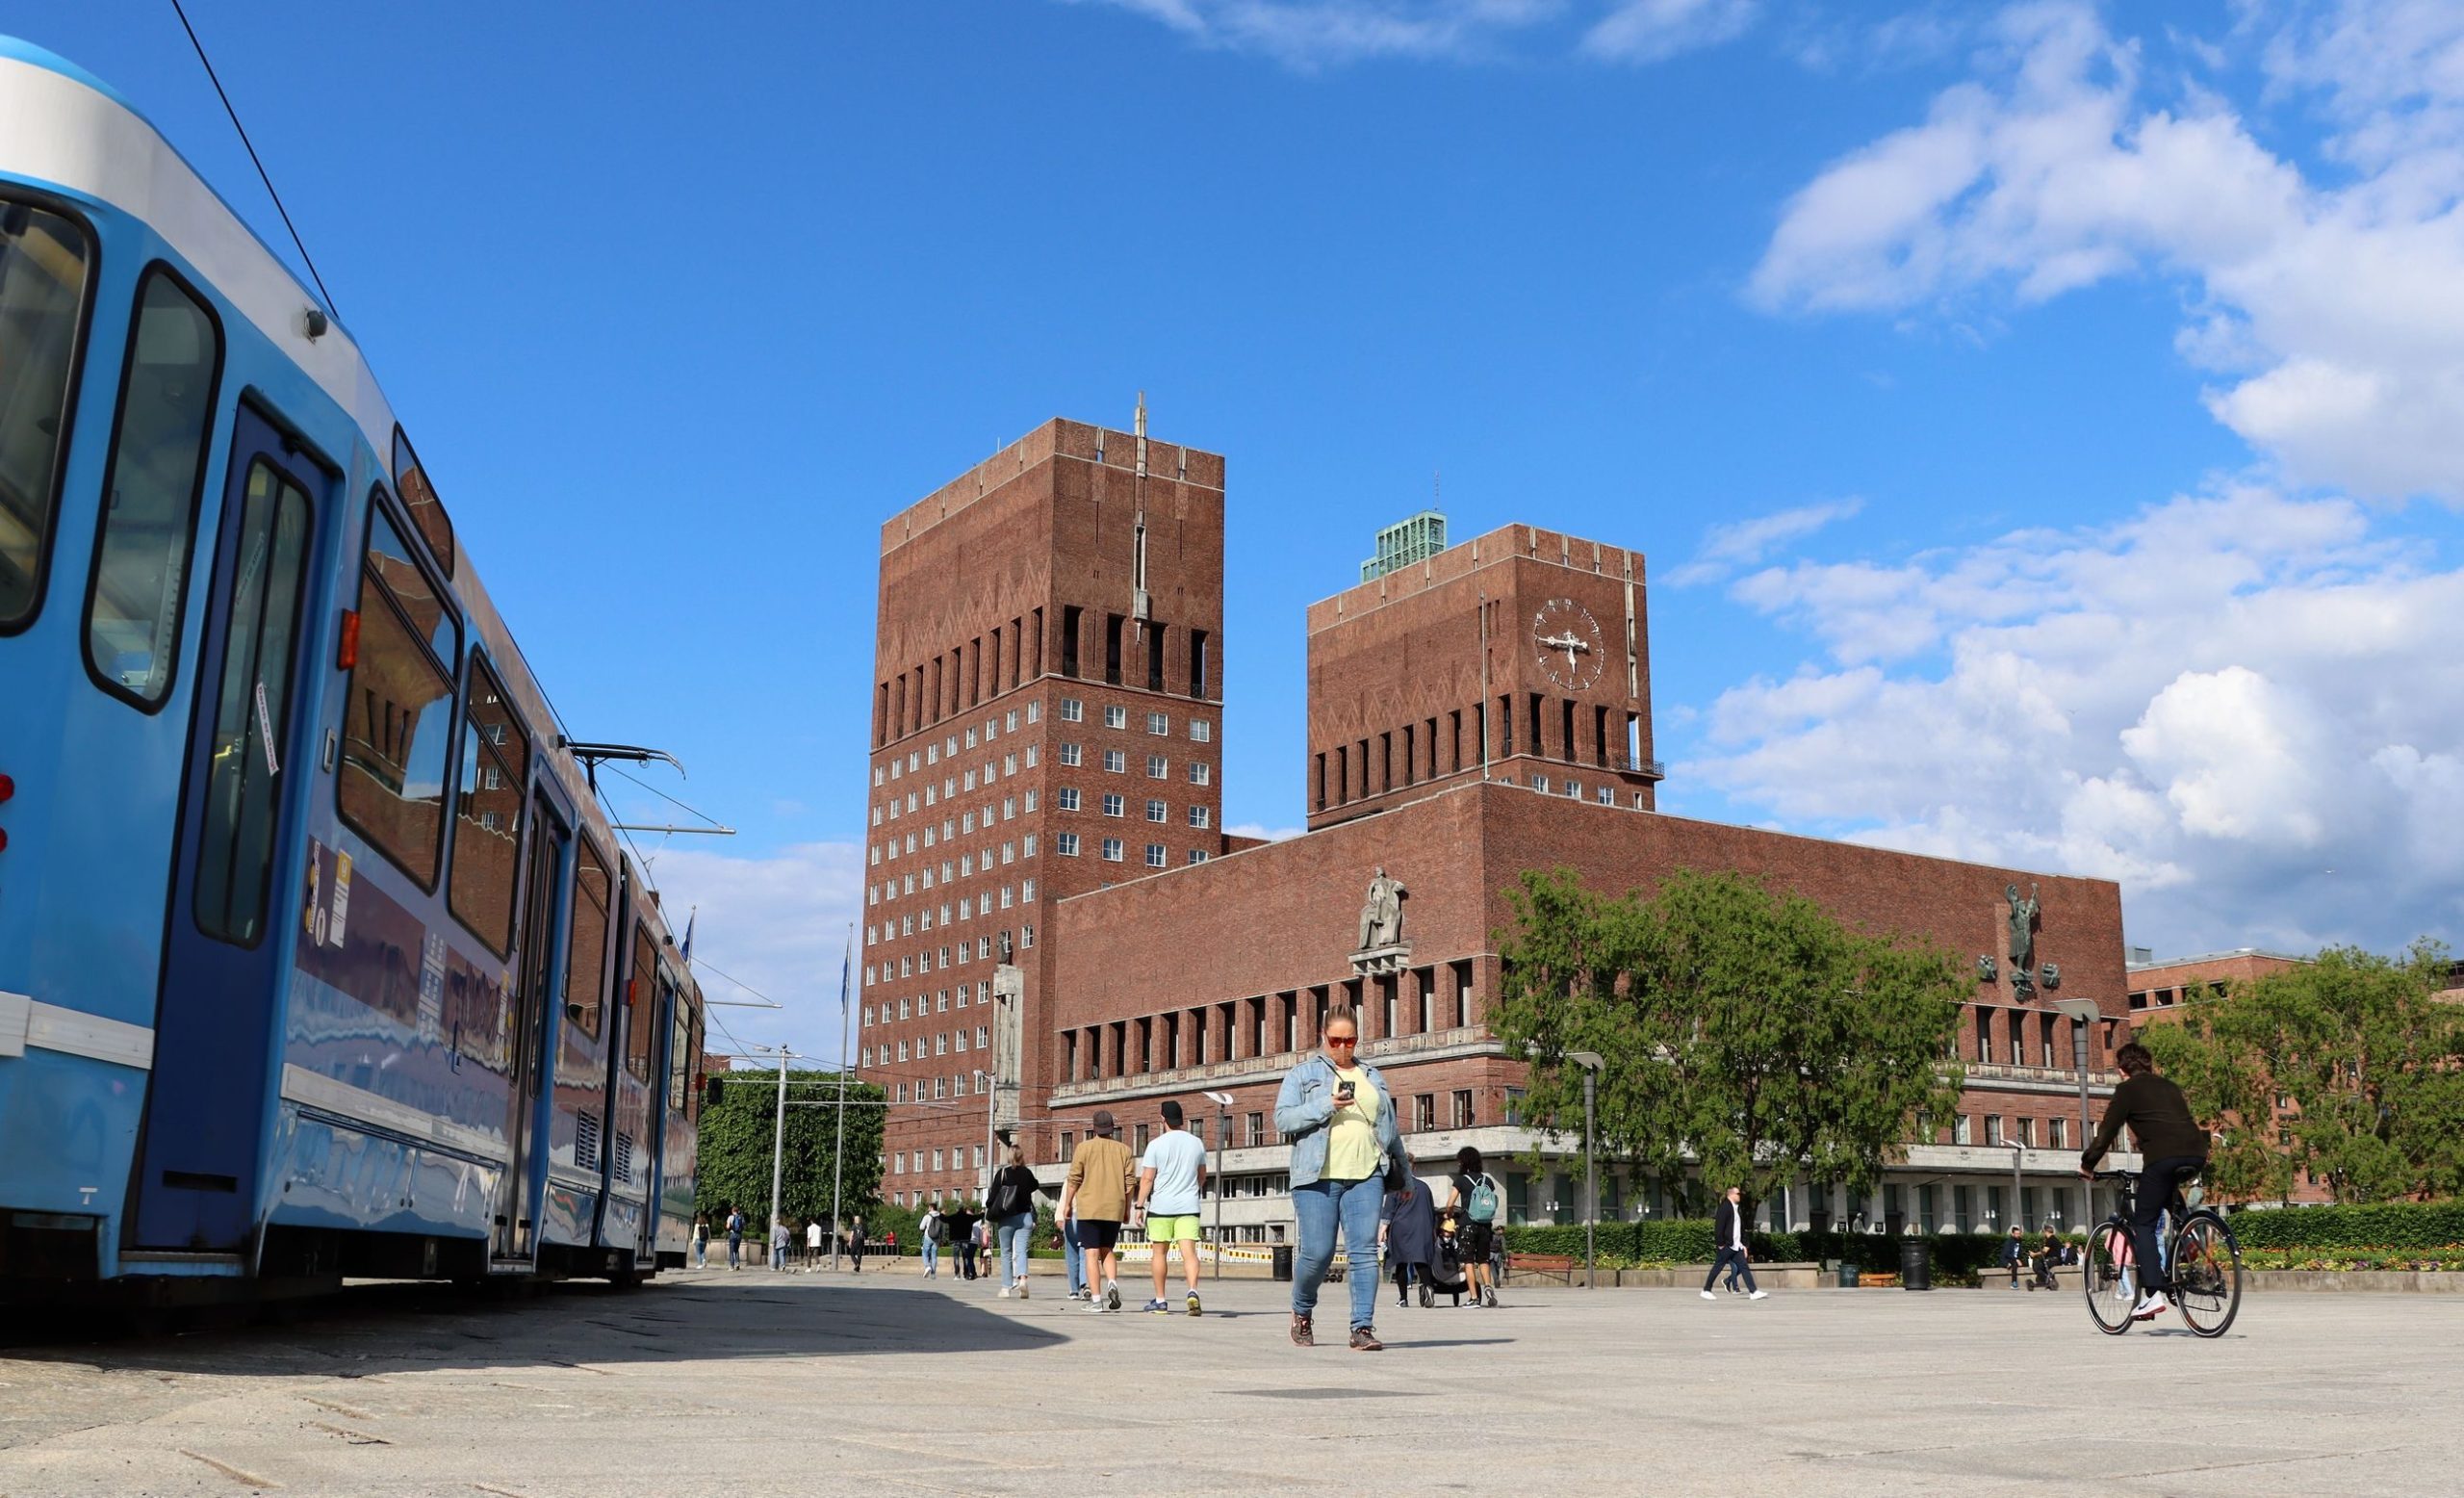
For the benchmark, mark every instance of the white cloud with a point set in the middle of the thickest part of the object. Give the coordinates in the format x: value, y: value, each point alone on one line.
x: 2214, y: 702
x: 777, y: 923
x: 1307, y: 35
x: 1653, y: 31
x: 1742, y: 543
x: 1262, y: 830
x: 2334, y: 311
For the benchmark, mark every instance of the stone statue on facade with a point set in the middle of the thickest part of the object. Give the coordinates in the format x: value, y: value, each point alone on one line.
x: 1381, y: 916
x: 2023, y: 934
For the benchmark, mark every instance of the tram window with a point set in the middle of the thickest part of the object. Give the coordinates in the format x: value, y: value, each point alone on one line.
x: 487, y: 811
x: 157, y: 469
x: 243, y: 798
x: 680, y: 1060
x: 419, y: 498
x: 641, y: 1000
x: 44, y: 260
x: 586, y: 969
x: 399, y: 709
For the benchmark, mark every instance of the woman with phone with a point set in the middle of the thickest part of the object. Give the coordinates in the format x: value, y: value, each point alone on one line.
x: 1335, y: 1109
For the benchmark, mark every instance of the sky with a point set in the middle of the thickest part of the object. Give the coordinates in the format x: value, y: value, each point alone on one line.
x: 2044, y: 423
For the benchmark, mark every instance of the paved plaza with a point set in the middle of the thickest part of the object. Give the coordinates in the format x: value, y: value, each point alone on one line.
x: 755, y: 1383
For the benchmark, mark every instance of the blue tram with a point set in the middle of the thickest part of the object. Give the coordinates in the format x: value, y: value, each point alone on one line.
x: 318, y: 955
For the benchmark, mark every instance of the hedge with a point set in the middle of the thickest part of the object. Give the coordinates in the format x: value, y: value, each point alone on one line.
x: 1957, y: 1256
x: 2392, y: 1225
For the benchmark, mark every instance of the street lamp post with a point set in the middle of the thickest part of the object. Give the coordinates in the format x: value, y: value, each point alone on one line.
x: 1591, y: 1062
x: 2083, y: 1011
x: 1222, y: 1135
x: 2018, y: 1218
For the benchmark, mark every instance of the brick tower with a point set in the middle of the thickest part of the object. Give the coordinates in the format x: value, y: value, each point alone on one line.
x: 1534, y: 639
x: 1048, y: 720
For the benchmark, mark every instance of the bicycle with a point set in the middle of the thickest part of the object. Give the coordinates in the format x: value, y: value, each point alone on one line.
x: 2204, y: 1261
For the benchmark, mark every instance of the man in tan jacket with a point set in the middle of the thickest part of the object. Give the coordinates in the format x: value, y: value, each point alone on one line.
x: 1102, y: 1176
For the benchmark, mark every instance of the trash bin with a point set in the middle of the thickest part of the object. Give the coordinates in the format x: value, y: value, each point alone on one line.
x: 1282, y: 1257
x: 1847, y: 1276
x: 1915, y: 1264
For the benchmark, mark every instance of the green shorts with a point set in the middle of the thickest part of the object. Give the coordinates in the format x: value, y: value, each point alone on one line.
x: 1173, y: 1230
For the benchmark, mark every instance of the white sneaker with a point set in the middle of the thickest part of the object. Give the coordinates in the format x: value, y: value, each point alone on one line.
x: 2151, y: 1307
x: 1111, y: 1296
x: 1709, y: 1296
x: 1005, y: 1293
x: 1022, y: 1289
x: 1759, y: 1295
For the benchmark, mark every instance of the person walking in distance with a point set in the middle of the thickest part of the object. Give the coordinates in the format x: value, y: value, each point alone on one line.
x: 778, y: 1240
x: 1407, y: 1229
x: 735, y: 1237
x: 1474, y: 1200
x: 2171, y: 1146
x: 1170, y: 1180
x: 932, y: 1231
x: 812, y: 1245
x: 1011, y: 1203
x: 701, y: 1240
x: 1340, y: 1118
x: 1102, y: 1174
x: 1727, y: 1236
x: 2014, y: 1254
x: 856, y: 1246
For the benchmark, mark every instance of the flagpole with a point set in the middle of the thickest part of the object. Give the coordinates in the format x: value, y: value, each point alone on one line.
x: 838, y: 1152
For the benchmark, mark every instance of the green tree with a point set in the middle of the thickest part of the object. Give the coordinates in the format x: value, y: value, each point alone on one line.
x: 2367, y: 1056
x: 733, y: 1165
x: 1744, y: 1032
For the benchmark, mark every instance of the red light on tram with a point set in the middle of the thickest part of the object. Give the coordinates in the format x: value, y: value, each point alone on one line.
x: 8, y: 787
x: 4, y: 840
x: 347, y: 655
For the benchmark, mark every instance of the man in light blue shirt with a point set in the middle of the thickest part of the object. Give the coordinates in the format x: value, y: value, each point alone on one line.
x: 1169, y: 1177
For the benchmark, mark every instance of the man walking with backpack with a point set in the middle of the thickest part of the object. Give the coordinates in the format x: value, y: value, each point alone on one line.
x: 1475, y: 1201
x: 934, y: 1233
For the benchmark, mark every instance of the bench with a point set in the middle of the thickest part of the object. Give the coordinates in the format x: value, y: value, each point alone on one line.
x: 1561, y: 1265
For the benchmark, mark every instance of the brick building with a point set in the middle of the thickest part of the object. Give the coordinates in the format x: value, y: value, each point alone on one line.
x: 1473, y: 713
x: 1047, y: 699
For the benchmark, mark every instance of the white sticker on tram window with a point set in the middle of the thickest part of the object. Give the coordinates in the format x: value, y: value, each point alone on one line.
x: 342, y: 899
x: 265, y: 730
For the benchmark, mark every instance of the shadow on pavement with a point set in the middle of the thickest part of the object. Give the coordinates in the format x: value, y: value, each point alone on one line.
x: 387, y: 1327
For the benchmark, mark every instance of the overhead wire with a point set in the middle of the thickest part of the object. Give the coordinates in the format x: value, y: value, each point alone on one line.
x: 264, y: 176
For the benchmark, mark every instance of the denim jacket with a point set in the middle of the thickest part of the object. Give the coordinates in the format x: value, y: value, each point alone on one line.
x: 1307, y: 1101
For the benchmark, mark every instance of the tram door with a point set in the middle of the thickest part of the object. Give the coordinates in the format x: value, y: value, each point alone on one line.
x: 547, y: 861
x: 207, y: 1106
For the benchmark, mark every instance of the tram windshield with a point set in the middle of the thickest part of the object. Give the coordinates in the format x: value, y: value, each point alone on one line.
x: 43, y: 261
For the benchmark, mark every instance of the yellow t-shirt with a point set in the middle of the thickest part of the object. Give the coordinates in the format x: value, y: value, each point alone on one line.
x: 1351, y: 1139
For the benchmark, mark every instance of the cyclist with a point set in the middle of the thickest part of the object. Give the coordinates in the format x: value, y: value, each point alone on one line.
x: 2171, y: 1146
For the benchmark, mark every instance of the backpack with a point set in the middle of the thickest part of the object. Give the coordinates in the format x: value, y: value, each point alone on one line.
x: 1481, y: 1205
x: 939, y: 1228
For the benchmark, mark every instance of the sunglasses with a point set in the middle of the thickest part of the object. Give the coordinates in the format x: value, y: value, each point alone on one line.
x: 1343, y: 1040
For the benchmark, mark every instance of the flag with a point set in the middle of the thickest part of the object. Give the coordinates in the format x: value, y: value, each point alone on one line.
x: 690, y: 918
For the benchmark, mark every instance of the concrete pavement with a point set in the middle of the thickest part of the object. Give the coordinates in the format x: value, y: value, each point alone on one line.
x: 755, y: 1383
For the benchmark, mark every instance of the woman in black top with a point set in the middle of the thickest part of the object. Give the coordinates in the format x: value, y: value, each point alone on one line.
x: 1010, y: 1203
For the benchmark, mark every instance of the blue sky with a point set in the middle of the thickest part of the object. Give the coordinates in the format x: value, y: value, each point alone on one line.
x: 2044, y: 424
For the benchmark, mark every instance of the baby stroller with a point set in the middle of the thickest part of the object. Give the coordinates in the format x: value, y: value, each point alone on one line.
x: 1445, y: 1275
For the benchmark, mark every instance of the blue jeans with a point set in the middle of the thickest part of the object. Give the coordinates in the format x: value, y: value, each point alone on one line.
x: 701, y: 1253
x: 1073, y: 1258
x: 932, y: 1259
x: 1012, y: 1236
x: 1322, y: 1206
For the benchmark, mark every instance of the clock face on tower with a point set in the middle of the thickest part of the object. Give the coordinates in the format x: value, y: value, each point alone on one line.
x: 1569, y: 643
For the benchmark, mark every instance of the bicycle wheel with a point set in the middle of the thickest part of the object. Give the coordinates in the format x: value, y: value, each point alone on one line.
x: 2113, y: 1289
x: 2207, y: 1274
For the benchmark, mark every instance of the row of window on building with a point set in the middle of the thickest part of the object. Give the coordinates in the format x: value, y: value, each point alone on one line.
x: 984, y: 948
x: 1451, y: 744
